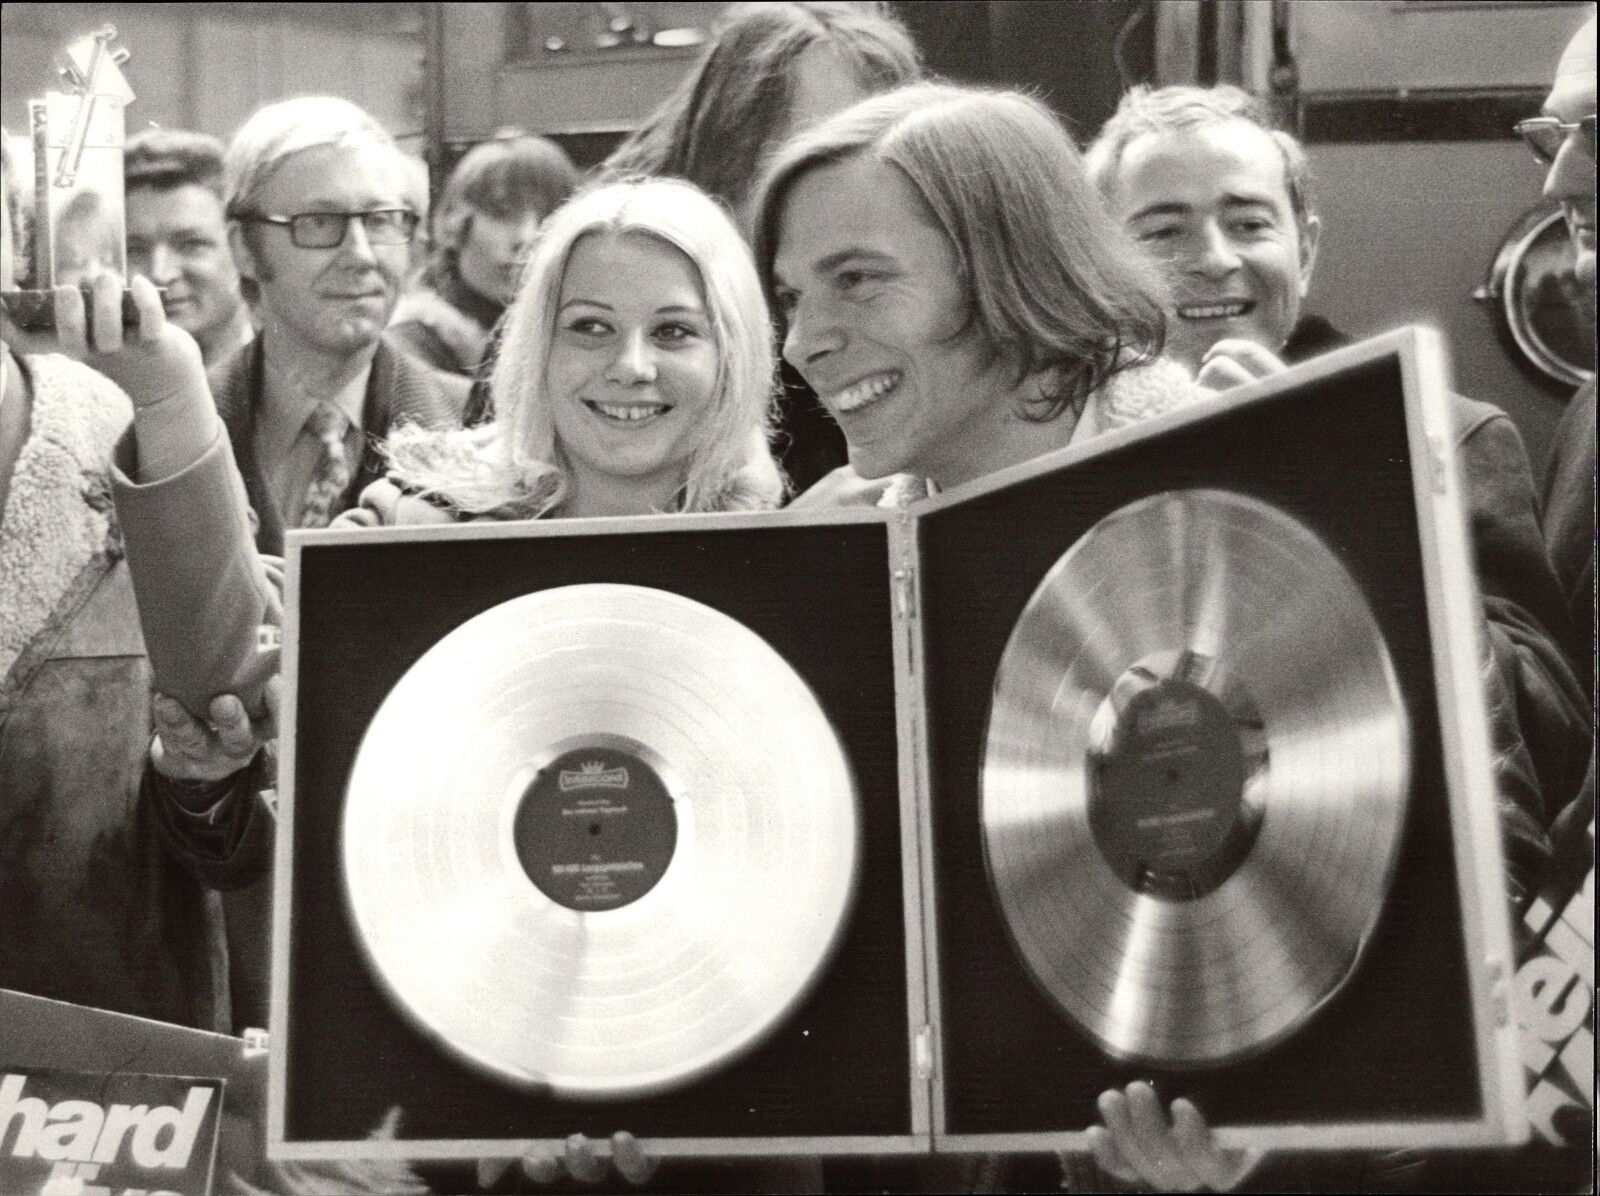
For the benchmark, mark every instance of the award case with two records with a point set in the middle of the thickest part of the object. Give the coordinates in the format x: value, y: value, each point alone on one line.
x: 887, y: 831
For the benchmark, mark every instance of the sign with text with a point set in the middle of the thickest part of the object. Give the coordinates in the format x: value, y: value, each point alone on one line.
x: 1554, y: 995
x: 102, y: 1134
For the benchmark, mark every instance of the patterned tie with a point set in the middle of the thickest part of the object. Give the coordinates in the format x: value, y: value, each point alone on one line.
x: 332, y: 475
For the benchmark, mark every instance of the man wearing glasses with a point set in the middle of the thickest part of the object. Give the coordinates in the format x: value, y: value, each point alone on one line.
x: 320, y: 226
x: 1563, y: 139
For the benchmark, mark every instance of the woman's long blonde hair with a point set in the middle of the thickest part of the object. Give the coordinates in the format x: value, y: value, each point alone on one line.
x: 512, y: 468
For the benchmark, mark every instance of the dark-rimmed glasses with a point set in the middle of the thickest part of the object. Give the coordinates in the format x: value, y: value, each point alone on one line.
x: 326, y: 230
x: 1546, y: 135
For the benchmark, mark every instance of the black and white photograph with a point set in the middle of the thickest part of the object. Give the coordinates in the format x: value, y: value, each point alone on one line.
x: 798, y: 596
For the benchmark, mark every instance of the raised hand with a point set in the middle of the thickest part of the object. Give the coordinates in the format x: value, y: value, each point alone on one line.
x: 1235, y: 362
x: 157, y: 365
x: 189, y: 749
x: 1138, y: 1144
x: 150, y: 361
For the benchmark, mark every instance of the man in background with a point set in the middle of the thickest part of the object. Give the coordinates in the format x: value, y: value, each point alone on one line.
x: 178, y: 239
x: 1225, y: 202
x: 320, y: 223
x: 1563, y: 138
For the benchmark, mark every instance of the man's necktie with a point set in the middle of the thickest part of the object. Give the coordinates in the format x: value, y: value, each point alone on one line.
x: 332, y: 475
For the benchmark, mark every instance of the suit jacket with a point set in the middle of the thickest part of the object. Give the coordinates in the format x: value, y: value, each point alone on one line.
x: 399, y: 390
x: 1540, y: 720
x: 1569, y: 528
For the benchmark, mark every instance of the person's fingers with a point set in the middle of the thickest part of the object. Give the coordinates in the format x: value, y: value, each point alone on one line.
x: 492, y: 1171
x: 356, y: 517
x: 1109, y: 1157
x: 225, y: 710
x: 1193, y: 1138
x: 147, y: 301
x: 231, y: 724
x: 630, y: 1159
x: 1114, y: 1112
x: 1218, y: 1168
x: 105, y: 297
x: 582, y: 1164
x: 1113, y: 1107
x: 1253, y: 355
x: 180, y: 732
x: 1155, y: 1150
x: 72, y: 335
x: 1222, y: 373
x: 541, y: 1168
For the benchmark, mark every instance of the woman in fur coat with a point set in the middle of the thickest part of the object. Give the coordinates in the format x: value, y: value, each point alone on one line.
x: 635, y: 377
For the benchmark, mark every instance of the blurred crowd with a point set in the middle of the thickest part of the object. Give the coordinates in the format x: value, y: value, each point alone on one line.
x: 813, y: 277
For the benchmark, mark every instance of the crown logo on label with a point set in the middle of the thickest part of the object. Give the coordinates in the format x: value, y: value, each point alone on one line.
x: 1168, y: 712
x: 593, y: 774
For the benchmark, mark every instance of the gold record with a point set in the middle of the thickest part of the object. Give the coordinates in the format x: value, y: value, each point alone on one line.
x: 600, y: 840
x: 1194, y: 779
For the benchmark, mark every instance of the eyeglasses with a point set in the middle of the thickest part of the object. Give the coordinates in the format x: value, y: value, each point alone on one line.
x: 1546, y: 135
x: 326, y: 230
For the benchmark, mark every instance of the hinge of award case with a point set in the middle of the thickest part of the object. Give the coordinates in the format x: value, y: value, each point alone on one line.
x: 905, y: 592
x: 923, y: 1053
x: 1499, y: 990
x: 1438, y: 475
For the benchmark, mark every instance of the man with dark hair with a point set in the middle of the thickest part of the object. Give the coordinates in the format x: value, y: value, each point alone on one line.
x: 497, y: 196
x: 178, y: 239
x: 321, y: 216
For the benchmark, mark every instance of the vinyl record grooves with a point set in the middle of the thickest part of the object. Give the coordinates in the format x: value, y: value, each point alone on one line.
x: 1194, y: 778
x: 599, y: 839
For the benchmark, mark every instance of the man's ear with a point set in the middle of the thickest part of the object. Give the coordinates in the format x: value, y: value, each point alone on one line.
x: 244, y: 260
x: 1310, y: 237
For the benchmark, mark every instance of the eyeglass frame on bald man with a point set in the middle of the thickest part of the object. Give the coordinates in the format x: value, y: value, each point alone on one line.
x: 1535, y: 130
x: 401, y: 222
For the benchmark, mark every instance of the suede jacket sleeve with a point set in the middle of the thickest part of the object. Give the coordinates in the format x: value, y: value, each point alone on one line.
x: 203, y: 596
x: 202, y: 591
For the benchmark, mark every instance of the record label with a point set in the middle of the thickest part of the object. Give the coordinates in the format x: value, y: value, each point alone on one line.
x: 1164, y: 802
x: 596, y: 828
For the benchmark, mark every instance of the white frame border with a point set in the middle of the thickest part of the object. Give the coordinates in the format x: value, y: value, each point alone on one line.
x: 903, y: 634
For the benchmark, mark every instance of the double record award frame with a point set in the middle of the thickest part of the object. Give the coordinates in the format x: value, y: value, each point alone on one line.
x: 1162, y: 757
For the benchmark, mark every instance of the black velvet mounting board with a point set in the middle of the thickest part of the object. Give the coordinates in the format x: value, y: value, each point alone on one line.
x: 1397, y: 1041
x: 838, y: 1065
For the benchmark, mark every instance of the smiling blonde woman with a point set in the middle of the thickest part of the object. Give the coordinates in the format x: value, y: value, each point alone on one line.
x: 635, y: 377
